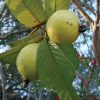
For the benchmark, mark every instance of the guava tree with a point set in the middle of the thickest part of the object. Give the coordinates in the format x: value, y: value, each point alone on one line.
x: 56, y: 63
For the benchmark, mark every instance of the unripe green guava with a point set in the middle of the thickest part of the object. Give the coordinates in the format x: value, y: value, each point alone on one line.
x: 26, y: 62
x: 63, y: 27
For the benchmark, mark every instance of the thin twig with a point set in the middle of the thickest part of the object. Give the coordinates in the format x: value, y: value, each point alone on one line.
x: 3, y: 13
x: 13, y: 33
x: 96, y: 35
x: 3, y: 83
x: 86, y: 44
x: 82, y: 12
x: 26, y: 30
x: 28, y: 91
x: 88, y: 7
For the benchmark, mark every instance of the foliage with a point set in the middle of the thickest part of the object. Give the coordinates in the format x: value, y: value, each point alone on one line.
x: 33, y: 19
x: 53, y: 5
x: 58, y: 65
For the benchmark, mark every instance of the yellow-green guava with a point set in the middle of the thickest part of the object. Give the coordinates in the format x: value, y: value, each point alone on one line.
x: 63, y: 27
x: 26, y: 62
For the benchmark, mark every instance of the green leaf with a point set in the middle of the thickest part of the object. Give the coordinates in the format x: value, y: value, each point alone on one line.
x: 64, y: 95
x: 35, y: 7
x: 29, y: 37
x: 56, y: 70
x: 26, y: 16
x: 9, y: 57
x: 70, y: 53
x: 53, y: 5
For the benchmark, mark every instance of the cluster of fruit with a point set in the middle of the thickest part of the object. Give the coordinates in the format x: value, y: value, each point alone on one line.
x: 62, y: 28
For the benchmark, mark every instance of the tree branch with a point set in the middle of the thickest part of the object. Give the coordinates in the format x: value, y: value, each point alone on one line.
x: 89, y: 8
x: 95, y: 25
x: 13, y: 33
x: 26, y: 30
x: 82, y: 12
x: 96, y: 35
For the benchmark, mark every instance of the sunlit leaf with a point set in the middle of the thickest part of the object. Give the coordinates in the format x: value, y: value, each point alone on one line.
x: 35, y: 7
x: 53, y: 5
x: 28, y: 17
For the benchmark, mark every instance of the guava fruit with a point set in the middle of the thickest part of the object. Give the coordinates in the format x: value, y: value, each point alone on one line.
x: 26, y: 62
x: 63, y: 27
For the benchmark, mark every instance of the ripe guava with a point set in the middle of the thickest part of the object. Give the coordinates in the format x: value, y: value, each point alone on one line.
x: 63, y: 27
x: 26, y: 62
